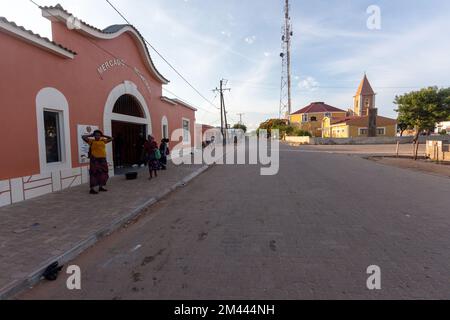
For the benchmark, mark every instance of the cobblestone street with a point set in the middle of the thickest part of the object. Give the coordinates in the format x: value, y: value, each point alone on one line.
x: 37, y: 232
x: 309, y: 232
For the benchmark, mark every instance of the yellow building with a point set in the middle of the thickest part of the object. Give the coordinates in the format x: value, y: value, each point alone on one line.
x: 352, y: 127
x: 362, y: 121
x: 310, y: 117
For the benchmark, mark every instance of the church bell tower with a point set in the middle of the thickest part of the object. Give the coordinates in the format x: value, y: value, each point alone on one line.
x: 364, y: 98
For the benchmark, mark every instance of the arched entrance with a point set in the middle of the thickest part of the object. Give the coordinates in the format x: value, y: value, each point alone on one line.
x: 127, y: 120
x: 128, y: 137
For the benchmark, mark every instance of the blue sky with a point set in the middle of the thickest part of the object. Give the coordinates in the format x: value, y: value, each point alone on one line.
x: 240, y: 41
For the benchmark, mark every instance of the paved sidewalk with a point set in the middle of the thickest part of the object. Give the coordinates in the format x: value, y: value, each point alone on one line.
x: 58, y: 226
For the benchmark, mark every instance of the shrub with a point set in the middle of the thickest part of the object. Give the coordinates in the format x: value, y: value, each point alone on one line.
x: 301, y: 133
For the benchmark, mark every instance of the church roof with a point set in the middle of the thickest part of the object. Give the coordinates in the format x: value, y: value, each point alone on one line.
x: 365, y: 88
x: 318, y: 107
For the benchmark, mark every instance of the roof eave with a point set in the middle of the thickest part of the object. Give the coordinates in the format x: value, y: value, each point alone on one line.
x: 28, y: 36
x: 59, y: 14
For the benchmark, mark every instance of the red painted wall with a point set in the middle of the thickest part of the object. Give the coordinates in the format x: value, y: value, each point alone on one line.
x: 26, y: 69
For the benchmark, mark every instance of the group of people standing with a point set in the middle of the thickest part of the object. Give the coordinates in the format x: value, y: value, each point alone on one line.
x: 155, y: 157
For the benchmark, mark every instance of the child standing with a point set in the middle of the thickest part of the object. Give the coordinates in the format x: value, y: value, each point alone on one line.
x: 164, y: 149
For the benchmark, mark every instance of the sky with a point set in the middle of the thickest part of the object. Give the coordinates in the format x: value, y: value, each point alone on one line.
x: 240, y: 41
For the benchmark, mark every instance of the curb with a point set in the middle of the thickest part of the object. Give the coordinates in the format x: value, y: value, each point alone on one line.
x: 19, y: 285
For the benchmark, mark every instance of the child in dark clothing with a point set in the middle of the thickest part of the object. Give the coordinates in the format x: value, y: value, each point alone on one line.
x: 164, y: 149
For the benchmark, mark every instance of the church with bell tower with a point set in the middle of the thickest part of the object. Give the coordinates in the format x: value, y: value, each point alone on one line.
x: 362, y: 120
x: 364, y: 99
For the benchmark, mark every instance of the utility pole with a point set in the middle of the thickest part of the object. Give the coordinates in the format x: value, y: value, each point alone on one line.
x: 285, y: 95
x: 223, y: 114
x: 240, y: 117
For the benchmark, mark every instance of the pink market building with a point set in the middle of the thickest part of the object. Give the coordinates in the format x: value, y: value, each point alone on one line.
x: 53, y: 91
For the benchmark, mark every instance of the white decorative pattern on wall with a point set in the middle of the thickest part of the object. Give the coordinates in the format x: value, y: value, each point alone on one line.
x: 25, y: 188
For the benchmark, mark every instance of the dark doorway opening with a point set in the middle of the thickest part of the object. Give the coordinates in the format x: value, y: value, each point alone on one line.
x: 129, y: 139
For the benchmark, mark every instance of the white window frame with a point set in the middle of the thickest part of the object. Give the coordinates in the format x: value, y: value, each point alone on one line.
x: 384, y: 131
x: 164, y: 122
x: 304, y: 117
x: 361, y: 134
x: 189, y: 130
x: 60, y: 135
x: 50, y: 99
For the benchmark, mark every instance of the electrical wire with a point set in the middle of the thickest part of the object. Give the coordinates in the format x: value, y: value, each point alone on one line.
x: 164, y: 59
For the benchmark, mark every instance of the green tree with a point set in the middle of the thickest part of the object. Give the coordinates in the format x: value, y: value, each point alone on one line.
x: 240, y: 126
x: 276, y: 124
x: 422, y: 109
x: 403, y: 125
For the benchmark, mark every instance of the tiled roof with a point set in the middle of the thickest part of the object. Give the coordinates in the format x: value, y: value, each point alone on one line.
x: 176, y: 101
x: 343, y: 120
x: 318, y: 107
x: 60, y: 7
x: 35, y: 35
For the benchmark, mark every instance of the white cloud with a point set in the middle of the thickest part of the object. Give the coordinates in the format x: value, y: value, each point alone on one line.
x: 250, y: 39
x: 226, y: 34
x: 309, y: 84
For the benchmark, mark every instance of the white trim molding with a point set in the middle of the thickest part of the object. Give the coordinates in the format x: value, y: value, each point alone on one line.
x: 168, y: 100
x: 189, y: 131
x: 34, y: 39
x: 53, y: 100
x: 127, y: 87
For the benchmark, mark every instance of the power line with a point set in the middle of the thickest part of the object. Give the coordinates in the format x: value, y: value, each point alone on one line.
x: 267, y: 85
x: 223, y: 113
x: 176, y: 96
x: 164, y: 59
x: 112, y: 54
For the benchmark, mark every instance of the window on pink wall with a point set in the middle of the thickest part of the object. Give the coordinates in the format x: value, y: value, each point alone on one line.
x: 186, y: 131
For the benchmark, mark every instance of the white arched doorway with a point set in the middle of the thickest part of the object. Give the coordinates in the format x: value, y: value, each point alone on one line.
x: 112, y: 116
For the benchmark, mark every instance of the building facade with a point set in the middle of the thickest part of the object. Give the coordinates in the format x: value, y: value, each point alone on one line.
x: 442, y: 126
x: 52, y: 92
x: 353, y: 127
x: 310, y: 117
x: 362, y: 121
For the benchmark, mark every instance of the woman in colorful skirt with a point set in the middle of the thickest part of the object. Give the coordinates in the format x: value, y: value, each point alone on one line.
x: 98, y: 168
x: 151, y: 147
